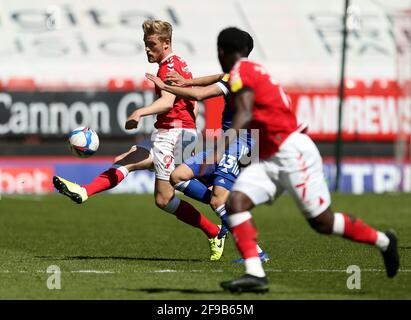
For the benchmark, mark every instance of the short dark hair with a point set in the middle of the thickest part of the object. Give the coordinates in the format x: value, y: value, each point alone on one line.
x: 250, y: 43
x: 235, y: 40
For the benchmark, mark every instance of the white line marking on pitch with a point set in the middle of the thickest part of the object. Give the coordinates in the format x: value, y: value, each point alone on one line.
x: 93, y: 271
x: 203, y: 271
x: 83, y: 271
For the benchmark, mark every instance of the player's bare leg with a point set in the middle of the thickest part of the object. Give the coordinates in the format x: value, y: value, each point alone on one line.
x: 181, y: 174
x: 166, y: 200
x: 136, y: 158
x: 183, y: 179
x: 242, y: 227
x: 163, y: 193
x: 354, y: 229
x: 218, y: 199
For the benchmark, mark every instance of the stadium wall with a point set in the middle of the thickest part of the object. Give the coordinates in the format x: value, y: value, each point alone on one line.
x: 89, y: 42
x: 20, y: 175
x: 65, y: 64
x: 376, y: 113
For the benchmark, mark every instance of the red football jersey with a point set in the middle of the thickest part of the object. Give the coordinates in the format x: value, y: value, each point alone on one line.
x: 271, y: 111
x: 182, y: 113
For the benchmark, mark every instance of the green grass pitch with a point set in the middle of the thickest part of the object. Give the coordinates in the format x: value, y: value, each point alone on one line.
x: 123, y: 247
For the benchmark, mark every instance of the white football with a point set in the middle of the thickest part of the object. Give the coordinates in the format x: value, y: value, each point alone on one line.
x: 83, y: 142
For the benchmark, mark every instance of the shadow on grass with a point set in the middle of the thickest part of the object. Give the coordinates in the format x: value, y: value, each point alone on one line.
x: 116, y: 258
x: 164, y: 290
x: 192, y: 291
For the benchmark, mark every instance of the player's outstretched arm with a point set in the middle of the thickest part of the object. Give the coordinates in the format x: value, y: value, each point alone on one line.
x: 199, y: 93
x: 161, y: 105
x: 179, y: 80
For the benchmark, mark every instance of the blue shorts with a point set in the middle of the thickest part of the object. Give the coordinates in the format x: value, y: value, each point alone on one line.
x: 224, y: 173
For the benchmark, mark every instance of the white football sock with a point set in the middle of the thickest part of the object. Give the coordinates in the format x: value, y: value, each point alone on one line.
x: 182, y: 185
x: 382, y: 241
x: 339, y: 223
x: 238, y: 218
x: 123, y: 169
x: 221, y: 210
x: 254, y: 267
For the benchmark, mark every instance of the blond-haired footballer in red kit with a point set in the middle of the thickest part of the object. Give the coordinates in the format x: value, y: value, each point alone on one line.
x: 174, y: 132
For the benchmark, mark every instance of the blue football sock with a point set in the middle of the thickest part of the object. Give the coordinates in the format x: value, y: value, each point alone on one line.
x: 224, y: 220
x: 195, y: 189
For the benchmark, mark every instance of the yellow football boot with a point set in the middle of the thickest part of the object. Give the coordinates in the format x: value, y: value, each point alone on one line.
x: 70, y: 189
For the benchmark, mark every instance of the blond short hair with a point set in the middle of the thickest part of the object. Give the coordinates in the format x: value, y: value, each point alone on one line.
x: 162, y: 28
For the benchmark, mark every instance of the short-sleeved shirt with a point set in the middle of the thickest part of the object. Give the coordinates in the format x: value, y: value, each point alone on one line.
x: 182, y: 114
x: 271, y: 113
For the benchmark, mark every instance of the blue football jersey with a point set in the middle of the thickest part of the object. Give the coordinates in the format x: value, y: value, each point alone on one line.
x: 228, y: 111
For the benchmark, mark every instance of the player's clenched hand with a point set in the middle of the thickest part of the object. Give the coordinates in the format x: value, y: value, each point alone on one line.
x: 156, y: 80
x: 176, y: 78
x: 132, y: 121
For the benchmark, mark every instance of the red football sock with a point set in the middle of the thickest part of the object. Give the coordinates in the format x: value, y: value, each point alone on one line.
x: 190, y: 215
x: 106, y: 180
x: 357, y: 230
x: 245, y: 235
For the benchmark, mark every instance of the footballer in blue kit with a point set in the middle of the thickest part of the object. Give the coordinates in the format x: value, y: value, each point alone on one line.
x: 225, y: 172
x: 222, y: 175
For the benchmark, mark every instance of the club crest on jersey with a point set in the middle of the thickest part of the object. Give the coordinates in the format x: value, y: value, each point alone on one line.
x: 236, y: 85
x: 170, y: 66
x: 235, y: 80
x: 168, y: 159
